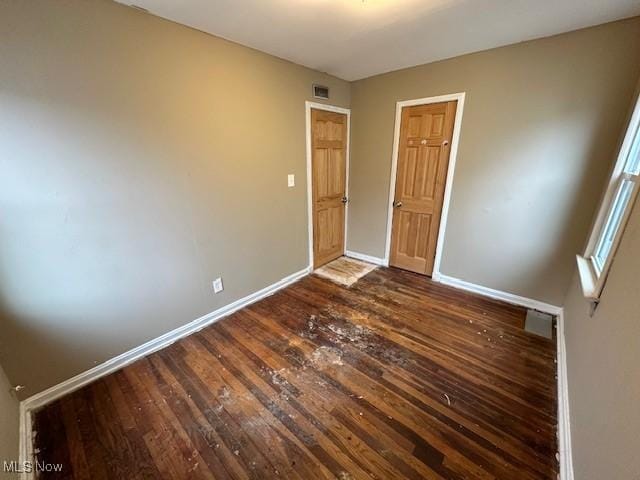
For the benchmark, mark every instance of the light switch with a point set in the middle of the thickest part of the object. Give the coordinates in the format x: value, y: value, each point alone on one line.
x: 291, y: 180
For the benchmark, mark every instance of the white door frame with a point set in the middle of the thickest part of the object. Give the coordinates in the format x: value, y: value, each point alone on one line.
x: 335, y: 109
x: 450, y: 171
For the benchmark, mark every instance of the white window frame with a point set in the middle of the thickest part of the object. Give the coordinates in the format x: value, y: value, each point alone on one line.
x: 593, y: 273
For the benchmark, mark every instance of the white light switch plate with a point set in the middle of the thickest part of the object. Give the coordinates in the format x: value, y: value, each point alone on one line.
x: 291, y: 180
x: 217, y: 285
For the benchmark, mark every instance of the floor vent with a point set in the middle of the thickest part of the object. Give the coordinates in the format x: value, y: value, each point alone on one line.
x: 539, y: 323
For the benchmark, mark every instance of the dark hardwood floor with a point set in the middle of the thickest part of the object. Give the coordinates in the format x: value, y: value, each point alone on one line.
x: 395, y: 377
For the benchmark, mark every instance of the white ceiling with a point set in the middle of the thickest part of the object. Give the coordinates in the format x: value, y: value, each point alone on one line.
x: 353, y: 39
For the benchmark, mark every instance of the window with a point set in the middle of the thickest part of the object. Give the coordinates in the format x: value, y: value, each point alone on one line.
x: 594, y: 265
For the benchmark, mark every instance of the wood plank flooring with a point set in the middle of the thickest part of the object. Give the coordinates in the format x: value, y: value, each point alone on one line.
x: 394, y: 377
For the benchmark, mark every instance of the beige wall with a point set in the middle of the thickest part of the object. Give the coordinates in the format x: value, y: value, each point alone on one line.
x: 9, y: 416
x: 540, y: 127
x: 603, y: 369
x: 140, y: 160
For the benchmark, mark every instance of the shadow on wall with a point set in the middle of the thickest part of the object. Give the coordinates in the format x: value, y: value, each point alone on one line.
x: 50, y: 329
x: 538, y: 202
x: 89, y: 239
x: 577, y: 183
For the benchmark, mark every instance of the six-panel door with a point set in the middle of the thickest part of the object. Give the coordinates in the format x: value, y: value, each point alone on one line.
x: 423, y: 157
x: 329, y: 149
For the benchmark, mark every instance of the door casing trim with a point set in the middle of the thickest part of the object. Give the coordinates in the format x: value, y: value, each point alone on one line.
x: 460, y: 97
x: 329, y: 108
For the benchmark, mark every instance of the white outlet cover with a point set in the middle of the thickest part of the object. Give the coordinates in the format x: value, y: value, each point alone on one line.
x: 291, y: 180
x: 217, y: 285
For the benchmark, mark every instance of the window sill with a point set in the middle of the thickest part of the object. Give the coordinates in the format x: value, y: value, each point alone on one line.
x: 588, y: 279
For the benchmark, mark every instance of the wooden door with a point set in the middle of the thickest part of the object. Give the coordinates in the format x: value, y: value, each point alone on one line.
x: 328, y: 159
x: 423, y: 158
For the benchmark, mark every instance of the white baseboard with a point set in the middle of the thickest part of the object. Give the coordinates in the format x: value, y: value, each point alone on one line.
x: 365, y: 258
x: 40, y: 399
x: 498, y: 295
x: 564, y: 425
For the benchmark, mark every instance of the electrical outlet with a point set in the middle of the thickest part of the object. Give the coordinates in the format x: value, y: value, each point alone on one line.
x: 217, y: 285
x: 291, y: 180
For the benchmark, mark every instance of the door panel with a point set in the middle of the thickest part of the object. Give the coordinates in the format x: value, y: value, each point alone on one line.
x: 329, y: 149
x: 423, y: 157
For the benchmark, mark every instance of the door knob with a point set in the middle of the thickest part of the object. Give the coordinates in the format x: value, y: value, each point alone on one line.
x: 345, y: 199
x: 397, y: 204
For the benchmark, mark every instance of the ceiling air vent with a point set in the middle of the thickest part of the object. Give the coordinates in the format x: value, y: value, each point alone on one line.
x: 321, y: 92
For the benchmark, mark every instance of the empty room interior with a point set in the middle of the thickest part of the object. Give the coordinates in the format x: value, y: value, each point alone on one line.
x: 320, y: 239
